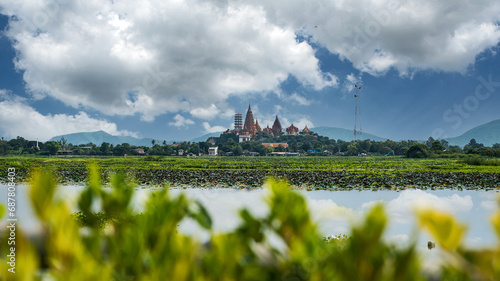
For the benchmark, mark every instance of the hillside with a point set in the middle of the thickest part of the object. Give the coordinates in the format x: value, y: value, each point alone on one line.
x: 330, y: 132
x: 343, y: 134
x: 487, y: 134
x: 206, y: 136
x: 100, y: 136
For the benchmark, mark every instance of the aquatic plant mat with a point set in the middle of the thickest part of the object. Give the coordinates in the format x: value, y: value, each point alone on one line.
x: 249, y: 172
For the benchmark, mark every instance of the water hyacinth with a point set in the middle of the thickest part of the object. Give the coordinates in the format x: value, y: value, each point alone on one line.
x: 250, y: 172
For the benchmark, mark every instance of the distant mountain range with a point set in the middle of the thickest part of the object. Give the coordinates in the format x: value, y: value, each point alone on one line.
x: 487, y: 134
x: 100, y: 136
x: 343, y: 134
x: 206, y: 136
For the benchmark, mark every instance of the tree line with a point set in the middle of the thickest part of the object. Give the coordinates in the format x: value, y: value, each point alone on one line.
x: 21, y: 146
x: 228, y: 144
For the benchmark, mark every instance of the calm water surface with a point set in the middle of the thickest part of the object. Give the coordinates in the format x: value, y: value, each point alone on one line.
x: 334, y: 211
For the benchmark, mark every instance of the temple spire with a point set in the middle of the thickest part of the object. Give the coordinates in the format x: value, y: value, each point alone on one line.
x: 277, y: 129
x: 257, y: 126
x: 249, y: 126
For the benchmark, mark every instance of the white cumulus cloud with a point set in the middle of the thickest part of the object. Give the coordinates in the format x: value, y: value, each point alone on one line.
x: 403, y: 207
x: 300, y: 99
x: 212, y: 129
x: 406, y: 35
x: 489, y: 204
x: 18, y: 119
x: 181, y: 121
x: 205, y: 112
x: 125, y: 58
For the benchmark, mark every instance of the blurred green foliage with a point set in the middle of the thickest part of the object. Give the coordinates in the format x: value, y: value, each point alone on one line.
x: 285, y: 244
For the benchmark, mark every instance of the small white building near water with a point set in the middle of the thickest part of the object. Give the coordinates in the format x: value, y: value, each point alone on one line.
x: 213, y: 150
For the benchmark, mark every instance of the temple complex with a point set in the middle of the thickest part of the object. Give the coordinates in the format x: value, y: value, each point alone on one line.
x: 250, y: 128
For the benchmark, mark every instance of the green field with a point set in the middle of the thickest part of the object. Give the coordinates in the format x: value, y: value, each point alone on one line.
x: 249, y: 172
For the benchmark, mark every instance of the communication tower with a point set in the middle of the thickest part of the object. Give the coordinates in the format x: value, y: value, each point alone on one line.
x: 358, y: 131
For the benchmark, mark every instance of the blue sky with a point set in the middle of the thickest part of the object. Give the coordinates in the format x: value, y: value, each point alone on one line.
x: 174, y: 70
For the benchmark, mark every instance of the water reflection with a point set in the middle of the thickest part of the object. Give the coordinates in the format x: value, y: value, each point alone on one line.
x: 333, y: 210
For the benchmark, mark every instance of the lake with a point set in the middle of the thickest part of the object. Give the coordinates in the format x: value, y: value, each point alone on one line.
x: 334, y: 211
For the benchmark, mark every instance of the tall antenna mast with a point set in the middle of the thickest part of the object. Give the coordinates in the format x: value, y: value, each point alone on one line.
x: 358, y: 131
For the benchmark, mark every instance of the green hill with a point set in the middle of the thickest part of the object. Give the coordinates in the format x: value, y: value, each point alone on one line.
x: 100, y: 136
x: 206, y: 136
x: 343, y: 134
x: 330, y: 132
x: 487, y: 134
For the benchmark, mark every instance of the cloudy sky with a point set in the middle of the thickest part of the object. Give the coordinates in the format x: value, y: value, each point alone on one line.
x: 176, y: 69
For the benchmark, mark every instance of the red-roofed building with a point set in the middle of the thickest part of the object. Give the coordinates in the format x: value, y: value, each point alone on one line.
x: 275, y: 144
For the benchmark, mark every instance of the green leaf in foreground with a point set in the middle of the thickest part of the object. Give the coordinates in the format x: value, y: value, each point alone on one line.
x: 447, y: 231
x: 2, y: 211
